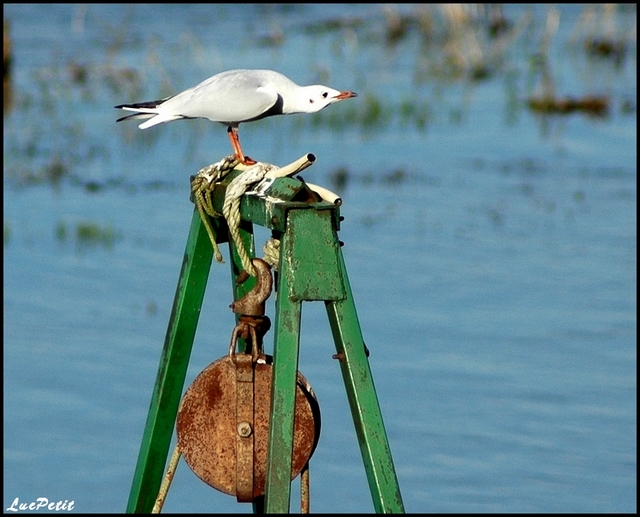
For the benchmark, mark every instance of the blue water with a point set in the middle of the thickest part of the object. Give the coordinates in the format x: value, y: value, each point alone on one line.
x: 491, y: 253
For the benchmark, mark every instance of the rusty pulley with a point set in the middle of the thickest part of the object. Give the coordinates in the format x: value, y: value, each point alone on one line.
x: 209, y: 431
x: 223, y: 419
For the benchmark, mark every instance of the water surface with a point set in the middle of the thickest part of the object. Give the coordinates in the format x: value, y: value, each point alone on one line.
x: 491, y: 251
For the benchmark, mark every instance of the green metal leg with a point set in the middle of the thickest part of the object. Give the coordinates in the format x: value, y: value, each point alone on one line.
x: 363, y: 401
x: 172, y: 371
x: 239, y: 290
x: 285, y: 368
x: 312, y: 268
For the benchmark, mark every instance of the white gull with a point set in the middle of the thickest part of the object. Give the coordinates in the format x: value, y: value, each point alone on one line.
x: 234, y: 97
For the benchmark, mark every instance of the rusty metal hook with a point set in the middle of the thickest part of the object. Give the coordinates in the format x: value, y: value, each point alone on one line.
x: 252, y: 303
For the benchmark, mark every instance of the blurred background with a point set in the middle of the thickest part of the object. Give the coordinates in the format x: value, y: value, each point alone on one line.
x: 488, y: 172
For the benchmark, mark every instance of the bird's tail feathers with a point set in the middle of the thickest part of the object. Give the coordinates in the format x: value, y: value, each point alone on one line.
x: 147, y: 110
x: 136, y: 116
x: 159, y: 119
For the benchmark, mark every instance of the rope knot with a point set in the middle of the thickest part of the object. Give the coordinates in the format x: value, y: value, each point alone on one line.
x: 204, y: 182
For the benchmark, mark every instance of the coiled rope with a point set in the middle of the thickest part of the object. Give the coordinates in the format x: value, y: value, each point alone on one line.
x: 231, y: 207
x: 203, y: 184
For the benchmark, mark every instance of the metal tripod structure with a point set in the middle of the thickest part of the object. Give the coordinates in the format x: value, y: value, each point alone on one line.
x: 311, y: 268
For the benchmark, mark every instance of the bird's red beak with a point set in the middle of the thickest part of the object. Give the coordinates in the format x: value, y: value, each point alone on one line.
x: 346, y: 95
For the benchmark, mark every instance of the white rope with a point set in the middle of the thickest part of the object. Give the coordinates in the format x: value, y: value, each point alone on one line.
x: 204, y: 182
x: 166, y: 483
x: 271, y: 250
x: 231, y: 208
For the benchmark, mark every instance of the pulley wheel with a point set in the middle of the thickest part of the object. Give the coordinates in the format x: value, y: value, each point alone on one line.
x: 207, y: 426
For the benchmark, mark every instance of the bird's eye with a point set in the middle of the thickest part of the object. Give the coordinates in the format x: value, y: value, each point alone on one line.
x: 324, y: 95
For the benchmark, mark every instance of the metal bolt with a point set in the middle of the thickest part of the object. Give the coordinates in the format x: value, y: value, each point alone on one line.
x: 244, y: 429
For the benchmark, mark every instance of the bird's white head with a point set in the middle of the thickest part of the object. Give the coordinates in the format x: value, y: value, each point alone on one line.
x: 311, y: 99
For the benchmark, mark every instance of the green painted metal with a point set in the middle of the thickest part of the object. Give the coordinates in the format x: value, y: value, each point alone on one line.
x: 285, y: 367
x: 239, y: 290
x: 308, y: 263
x: 172, y: 371
x: 363, y: 400
x: 311, y: 268
x: 309, y: 254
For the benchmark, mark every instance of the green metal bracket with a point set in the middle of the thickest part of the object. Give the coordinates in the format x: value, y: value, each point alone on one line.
x: 311, y: 268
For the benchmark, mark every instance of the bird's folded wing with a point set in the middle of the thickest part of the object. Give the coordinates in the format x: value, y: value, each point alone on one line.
x: 222, y: 102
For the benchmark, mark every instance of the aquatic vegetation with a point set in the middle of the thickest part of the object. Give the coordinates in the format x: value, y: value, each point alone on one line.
x: 591, y: 105
x: 87, y: 234
x: 92, y: 234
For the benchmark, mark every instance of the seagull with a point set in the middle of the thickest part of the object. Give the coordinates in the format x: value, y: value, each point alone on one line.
x: 237, y: 96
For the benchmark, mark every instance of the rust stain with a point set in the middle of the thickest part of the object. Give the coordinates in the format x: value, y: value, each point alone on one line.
x: 207, y: 426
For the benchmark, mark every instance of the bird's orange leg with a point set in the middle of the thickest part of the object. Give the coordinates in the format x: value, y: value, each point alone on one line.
x: 235, y: 143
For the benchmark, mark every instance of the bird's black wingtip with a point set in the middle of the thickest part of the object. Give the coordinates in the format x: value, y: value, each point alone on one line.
x: 134, y: 116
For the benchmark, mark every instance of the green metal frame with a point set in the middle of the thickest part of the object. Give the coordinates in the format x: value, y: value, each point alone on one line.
x: 311, y: 268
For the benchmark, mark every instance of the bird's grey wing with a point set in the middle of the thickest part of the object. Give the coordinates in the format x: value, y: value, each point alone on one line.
x: 227, y: 99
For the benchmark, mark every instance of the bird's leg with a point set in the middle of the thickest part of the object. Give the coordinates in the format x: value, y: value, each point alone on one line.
x: 235, y: 142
